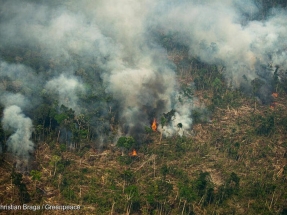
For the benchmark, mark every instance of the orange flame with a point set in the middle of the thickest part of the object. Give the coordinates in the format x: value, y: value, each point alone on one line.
x: 153, y: 126
x: 275, y: 95
x: 273, y: 105
x: 134, y: 153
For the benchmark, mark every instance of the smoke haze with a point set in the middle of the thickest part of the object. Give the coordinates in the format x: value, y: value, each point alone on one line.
x: 78, y: 47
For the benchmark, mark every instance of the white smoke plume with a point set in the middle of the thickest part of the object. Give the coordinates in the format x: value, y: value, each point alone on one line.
x: 19, y: 143
x: 17, y: 93
x: 181, y: 121
x: 67, y: 90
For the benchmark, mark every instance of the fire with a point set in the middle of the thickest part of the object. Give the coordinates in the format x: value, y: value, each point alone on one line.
x: 275, y: 95
x: 153, y: 126
x: 134, y: 153
x: 273, y: 105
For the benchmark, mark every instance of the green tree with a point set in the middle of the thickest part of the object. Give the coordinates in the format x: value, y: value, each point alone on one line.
x: 266, y: 126
x: 126, y: 142
x: 202, y: 183
x: 186, y: 194
x: 163, y: 121
x: 41, y: 117
x: 132, y: 198
x: 159, y: 191
x: 36, y: 176
x: 54, y: 161
x: 231, y: 187
x: 128, y: 177
x: 24, y: 196
x: 217, y: 85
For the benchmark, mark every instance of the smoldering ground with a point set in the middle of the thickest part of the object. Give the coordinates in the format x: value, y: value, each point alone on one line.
x: 75, y: 51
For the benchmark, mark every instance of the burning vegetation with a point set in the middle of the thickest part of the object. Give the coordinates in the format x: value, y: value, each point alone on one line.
x: 275, y: 95
x: 133, y: 153
x: 154, y: 125
x: 273, y: 105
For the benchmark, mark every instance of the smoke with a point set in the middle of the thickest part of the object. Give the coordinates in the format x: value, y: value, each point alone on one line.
x: 67, y: 90
x: 17, y: 93
x: 230, y: 33
x: 19, y: 142
x: 106, y: 56
x: 180, y: 123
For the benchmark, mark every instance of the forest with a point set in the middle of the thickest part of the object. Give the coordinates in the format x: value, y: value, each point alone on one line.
x: 143, y: 107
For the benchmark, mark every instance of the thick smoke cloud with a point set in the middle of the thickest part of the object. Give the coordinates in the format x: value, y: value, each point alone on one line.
x: 79, y: 47
x: 17, y: 93
x: 228, y: 33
